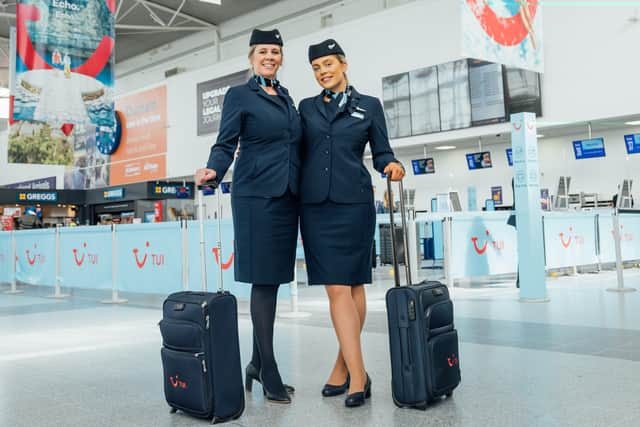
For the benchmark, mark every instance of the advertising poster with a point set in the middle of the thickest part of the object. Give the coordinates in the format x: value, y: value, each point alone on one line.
x: 48, y: 183
x: 496, y: 195
x: 210, y: 98
x: 62, y: 78
x: 141, y: 155
x: 503, y: 31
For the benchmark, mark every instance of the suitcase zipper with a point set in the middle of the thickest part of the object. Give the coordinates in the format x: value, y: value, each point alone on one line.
x: 206, y: 321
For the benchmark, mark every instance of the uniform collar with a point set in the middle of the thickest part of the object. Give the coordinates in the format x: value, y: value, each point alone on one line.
x: 253, y: 85
x: 352, y: 103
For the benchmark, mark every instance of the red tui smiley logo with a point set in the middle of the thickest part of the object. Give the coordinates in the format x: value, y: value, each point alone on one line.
x: 177, y: 383
x: 75, y: 255
x: 452, y: 360
x: 139, y: 263
x: 224, y: 265
x: 566, y: 243
x: 483, y: 249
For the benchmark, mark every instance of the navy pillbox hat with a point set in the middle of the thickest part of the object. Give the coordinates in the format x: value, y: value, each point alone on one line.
x: 265, y: 37
x: 327, y: 47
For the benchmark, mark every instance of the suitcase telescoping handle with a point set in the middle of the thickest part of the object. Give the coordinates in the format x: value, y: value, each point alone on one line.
x: 394, y: 250
x: 203, y: 250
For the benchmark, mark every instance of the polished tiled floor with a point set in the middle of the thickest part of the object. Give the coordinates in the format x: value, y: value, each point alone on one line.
x: 570, y: 362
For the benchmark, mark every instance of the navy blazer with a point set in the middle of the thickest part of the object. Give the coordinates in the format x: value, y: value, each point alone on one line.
x: 333, y: 148
x: 268, y: 130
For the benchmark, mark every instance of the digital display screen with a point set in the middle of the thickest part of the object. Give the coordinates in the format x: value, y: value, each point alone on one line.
x: 523, y: 91
x: 510, y: 156
x: 589, y: 148
x: 487, y: 92
x: 425, y: 104
x: 632, y: 142
x: 397, y: 106
x: 480, y: 160
x: 455, y: 104
x: 423, y: 166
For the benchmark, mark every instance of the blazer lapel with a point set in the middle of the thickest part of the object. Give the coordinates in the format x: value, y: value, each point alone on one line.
x: 271, y: 98
x: 319, y: 103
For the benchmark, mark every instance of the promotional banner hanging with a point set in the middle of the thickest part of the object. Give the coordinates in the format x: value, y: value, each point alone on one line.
x: 506, y: 32
x: 63, y: 76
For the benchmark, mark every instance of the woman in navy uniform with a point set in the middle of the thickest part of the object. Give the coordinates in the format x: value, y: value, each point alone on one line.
x: 261, y: 117
x: 337, y: 212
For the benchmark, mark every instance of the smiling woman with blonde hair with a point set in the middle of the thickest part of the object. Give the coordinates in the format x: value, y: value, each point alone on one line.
x: 337, y: 213
x: 261, y: 126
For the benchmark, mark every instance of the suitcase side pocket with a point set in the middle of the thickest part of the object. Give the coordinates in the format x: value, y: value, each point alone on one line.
x: 439, y: 318
x: 444, y: 363
x: 186, y: 382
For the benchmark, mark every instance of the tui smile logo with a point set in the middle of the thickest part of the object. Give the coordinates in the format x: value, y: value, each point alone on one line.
x: 91, y: 258
x: 34, y: 257
x: 567, y: 239
x: 623, y: 236
x: 224, y: 265
x: 452, y: 360
x: 177, y: 383
x: 156, y: 259
x: 498, y: 245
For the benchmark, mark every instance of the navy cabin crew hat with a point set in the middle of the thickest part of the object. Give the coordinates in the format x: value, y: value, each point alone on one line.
x: 327, y: 47
x: 265, y: 37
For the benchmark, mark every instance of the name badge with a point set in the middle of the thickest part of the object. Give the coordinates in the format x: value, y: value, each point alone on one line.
x: 357, y: 115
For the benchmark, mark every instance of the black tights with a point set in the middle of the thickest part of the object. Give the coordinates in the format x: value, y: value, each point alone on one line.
x: 263, y: 315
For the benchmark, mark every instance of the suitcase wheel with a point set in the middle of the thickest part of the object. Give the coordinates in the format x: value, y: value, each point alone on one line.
x: 173, y: 410
x: 449, y: 394
x: 422, y: 406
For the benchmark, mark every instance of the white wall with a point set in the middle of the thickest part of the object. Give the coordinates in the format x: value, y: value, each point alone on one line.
x: 601, y: 175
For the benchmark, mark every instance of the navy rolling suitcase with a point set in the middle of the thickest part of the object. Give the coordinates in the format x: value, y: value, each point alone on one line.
x: 201, y: 350
x: 425, y: 363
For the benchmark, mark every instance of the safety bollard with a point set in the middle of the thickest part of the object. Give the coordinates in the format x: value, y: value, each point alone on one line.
x: 115, y: 298
x: 58, y: 291
x: 14, y: 290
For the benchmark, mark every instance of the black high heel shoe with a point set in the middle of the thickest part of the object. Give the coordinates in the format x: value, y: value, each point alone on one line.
x: 252, y: 374
x: 281, y: 398
x: 358, y: 399
x: 330, y: 390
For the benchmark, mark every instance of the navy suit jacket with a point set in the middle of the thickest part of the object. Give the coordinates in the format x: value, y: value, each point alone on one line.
x: 268, y: 131
x: 333, y: 148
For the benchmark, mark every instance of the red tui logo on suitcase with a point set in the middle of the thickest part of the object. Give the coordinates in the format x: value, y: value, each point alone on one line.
x: 452, y: 360
x: 177, y: 383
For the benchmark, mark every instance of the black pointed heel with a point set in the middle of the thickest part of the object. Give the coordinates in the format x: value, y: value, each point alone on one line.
x: 282, y: 398
x: 252, y: 374
x: 354, y: 400
x: 330, y: 390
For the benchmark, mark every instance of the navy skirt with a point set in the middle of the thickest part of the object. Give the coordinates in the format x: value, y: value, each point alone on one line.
x: 266, y: 234
x: 338, y: 239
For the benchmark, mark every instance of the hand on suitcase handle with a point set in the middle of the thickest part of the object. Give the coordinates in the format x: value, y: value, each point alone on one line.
x: 395, y: 171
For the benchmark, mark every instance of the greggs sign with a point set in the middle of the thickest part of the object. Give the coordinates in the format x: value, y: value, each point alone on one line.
x: 40, y: 196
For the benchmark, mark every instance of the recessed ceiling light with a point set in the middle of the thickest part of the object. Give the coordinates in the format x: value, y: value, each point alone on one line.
x: 446, y: 147
x: 633, y: 123
x: 540, y: 135
x: 212, y: 1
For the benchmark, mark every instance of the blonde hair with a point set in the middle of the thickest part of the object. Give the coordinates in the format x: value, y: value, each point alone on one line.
x: 343, y: 60
x: 252, y: 50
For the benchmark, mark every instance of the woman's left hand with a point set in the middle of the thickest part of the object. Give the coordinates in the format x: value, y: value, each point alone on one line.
x: 395, y: 171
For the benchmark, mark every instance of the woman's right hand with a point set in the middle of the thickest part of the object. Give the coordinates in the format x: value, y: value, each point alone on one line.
x: 203, y: 175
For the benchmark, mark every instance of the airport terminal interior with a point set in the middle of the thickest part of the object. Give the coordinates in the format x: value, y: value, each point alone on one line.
x: 518, y: 129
